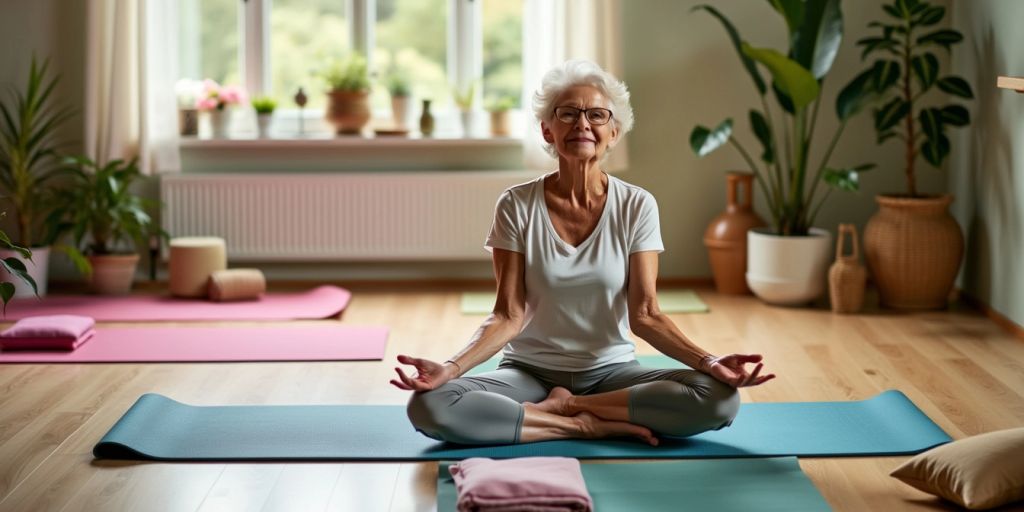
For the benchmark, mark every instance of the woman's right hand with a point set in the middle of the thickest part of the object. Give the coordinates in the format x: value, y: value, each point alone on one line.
x: 429, y: 375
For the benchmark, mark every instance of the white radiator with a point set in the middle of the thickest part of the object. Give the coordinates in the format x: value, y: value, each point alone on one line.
x: 305, y: 217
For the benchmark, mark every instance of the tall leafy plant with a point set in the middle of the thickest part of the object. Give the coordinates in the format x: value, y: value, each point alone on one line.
x: 903, y: 50
x: 29, y: 163
x: 15, y: 267
x: 788, y: 178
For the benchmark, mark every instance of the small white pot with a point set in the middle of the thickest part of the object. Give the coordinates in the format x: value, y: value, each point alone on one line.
x: 38, y: 268
x: 263, y: 124
x: 467, y: 123
x: 400, y: 111
x: 788, y: 270
x: 220, y: 123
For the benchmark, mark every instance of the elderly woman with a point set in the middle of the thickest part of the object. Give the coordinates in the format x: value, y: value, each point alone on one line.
x: 576, y: 260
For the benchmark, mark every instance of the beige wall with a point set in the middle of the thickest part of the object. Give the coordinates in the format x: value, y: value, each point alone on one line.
x: 681, y: 70
x: 987, y: 171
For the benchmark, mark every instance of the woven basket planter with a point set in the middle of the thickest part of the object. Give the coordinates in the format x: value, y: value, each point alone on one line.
x: 913, y: 248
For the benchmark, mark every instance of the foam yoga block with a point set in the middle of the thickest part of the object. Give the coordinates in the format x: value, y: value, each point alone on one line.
x: 237, y: 284
x: 192, y: 260
x: 160, y: 428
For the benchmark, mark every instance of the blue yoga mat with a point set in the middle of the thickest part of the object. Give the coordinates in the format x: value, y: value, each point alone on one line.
x: 159, y: 428
x: 742, y: 485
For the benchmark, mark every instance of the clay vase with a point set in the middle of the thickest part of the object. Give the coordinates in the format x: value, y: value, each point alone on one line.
x: 913, y: 247
x: 847, y: 277
x: 726, y: 236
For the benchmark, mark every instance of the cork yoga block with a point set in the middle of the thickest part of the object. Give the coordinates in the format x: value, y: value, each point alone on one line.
x: 237, y: 284
x: 192, y: 260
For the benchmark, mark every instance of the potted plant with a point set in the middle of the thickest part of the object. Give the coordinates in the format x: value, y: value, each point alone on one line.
x: 464, y: 100
x: 787, y: 262
x: 498, y: 109
x: 108, y: 221
x: 216, y: 100
x: 398, y: 87
x: 29, y: 170
x: 264, y: 107
x: 913, y: 245
x: 348, y: 84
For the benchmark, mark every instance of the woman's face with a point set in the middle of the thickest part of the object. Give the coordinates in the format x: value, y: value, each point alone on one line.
x: 577, y: 135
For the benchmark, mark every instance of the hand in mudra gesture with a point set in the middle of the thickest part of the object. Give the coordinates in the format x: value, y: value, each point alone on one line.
x: 731, y: 370
x: 429, y: 375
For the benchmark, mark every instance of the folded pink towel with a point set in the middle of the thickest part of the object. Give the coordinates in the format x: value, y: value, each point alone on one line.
x: 534, y: 484
x: 62, y: 332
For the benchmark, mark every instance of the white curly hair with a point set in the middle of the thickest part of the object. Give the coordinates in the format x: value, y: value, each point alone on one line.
x: 576, y: 72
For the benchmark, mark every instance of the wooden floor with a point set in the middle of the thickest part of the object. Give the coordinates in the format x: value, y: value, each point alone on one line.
x: 966, y: 373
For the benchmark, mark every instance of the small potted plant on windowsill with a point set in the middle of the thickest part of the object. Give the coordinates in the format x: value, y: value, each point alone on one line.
x: 464, y: 100
x: 264, y: 107
x: 398, y: 87
x: 912, y: 245
x: 498, y: 109
x: 108, y: 222
x: 218, y: 102
x: 348, y: 91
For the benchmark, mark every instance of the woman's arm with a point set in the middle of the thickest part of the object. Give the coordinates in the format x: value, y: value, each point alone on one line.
x: 648, y: 322
x: 504, y: 323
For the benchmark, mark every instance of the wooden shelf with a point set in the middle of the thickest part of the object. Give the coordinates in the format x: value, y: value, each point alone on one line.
x: 1011, y: 82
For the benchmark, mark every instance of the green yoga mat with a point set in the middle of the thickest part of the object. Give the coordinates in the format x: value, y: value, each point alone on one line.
x: 159, y: 428
x: 742, y: 485
x: 670, y: 301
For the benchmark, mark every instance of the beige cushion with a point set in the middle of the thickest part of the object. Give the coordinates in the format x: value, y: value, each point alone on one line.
x: 191, y: 261
x: 978, y: 472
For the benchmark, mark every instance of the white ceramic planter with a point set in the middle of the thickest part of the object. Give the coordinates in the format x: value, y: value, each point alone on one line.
x: 37, y: 268
x: 220, y: 123
x: 263, y: 122
x: 467, y: 123
x: 400, y: 112
x: 788, y: 270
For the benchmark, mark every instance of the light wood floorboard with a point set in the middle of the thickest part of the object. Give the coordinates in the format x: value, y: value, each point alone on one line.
x: 959, y: 367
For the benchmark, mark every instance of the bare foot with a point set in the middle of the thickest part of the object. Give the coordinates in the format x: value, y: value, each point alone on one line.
x: 592, y: 427
x: 555, y: 402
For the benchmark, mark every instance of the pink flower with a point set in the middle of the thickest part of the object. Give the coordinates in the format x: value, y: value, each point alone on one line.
x: 207, y: 104
x: 232, y: 94
x: 210, y: 88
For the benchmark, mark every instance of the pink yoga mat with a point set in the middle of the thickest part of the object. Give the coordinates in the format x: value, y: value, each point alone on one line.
x: 191, y: 344
x: 320, y: 302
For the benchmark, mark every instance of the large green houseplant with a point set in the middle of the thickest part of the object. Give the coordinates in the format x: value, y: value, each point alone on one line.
x: 108, y: 221
x: 912, y: 245
x: 30, y: 168
x: 795, y: 187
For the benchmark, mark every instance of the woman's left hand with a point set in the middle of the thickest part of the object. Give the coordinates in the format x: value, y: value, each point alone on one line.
x: 730, y: 370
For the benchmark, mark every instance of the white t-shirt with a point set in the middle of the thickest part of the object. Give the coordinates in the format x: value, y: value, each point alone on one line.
x: 576, y: 306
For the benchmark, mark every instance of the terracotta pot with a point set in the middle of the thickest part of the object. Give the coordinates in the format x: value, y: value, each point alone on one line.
x: 726, y: 236
x: 348, y: 111
x: 847, y: 277
x: 113, y: 274
x: 913, y: 248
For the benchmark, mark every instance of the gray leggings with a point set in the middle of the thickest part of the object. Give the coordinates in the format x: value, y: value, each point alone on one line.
x: 487, y: 408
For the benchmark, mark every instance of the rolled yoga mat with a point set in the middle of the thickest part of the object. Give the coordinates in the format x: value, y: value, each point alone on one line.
x: 159, y: 428
x: 320, y: 302
x: 669, y: 301
x: 192, y: 344
x: 741, y: 485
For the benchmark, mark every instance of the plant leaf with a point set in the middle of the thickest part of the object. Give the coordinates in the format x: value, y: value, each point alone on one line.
x: 930, y: 16
x: 792, y: 11
x: 935, y: 150
x: 956, y: 86
x: 890, y: 114
x: 944, y: 38
x: 734, y: 36
x: 931, y: 122
x: 886, y: 73
x: 858, y: 93
x: 704, y: 141
x: 955, y: 115
x: 785, y: 102
x: 926, y: 68
x: 842, y: 179
x: 873, y: 44
x: 892, y: 11
x: 764, y: 133
x: 6, y: 293
x: 793, y: 79
x: 816, y: 41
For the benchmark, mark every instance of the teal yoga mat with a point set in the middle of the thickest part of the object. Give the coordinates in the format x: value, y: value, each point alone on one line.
x: 669, y: 301
x: 159, y: 428
x: 742, y: 485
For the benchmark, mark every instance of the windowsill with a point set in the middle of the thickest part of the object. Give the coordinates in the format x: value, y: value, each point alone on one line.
x: 413, y: 140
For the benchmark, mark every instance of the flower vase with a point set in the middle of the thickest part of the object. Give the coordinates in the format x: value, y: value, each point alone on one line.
x: 220, y: 121
x: 426, y: 120
x: 726, y: 235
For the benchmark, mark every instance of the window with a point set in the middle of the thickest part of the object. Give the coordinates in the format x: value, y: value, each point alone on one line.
x: 273, y: 47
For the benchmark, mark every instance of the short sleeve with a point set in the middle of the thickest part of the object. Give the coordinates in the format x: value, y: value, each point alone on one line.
x: 506, y: 232
x: 646, y: 226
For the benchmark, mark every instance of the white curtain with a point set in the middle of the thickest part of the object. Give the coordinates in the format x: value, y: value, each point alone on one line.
x: 558, y: 30
x: 131, y: 69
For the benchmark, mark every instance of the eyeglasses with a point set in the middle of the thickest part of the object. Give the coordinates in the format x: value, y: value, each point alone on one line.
x: 595, y: 116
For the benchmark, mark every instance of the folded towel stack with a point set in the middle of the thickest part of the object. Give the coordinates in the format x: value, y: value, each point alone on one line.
x: 539, y: 484
x: 55, y: 332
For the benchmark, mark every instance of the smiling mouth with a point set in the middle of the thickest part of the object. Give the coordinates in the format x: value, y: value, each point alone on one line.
x: 582, y: 140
